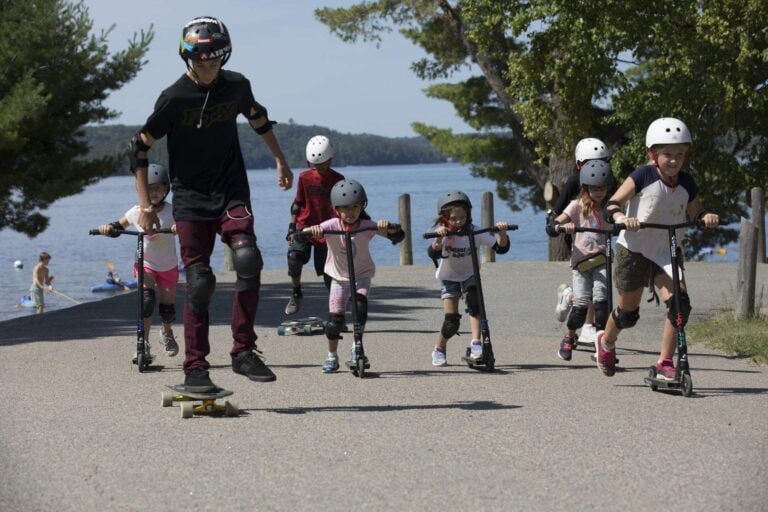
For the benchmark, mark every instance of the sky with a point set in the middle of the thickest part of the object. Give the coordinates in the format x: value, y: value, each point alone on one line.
x: 297, y: 68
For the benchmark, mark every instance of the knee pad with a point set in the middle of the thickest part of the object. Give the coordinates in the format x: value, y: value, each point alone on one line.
x: 576, y: 317
x: 685, y: 309
x: 472, y: 300
x: 333, y: 327
x: 167, y: 313
x: 148, y: 301
x: 450, y: 325
x: 246, y: 258
x: 601, y: 314
x: 200, y: 285
x: 362, y: 308
x: 295, y: 263
x: 625, y: 319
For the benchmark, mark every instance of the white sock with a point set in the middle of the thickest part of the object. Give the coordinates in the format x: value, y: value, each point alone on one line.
x: 332, y: 355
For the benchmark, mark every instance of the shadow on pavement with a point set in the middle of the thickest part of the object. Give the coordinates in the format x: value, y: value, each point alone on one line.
x: 469, y: 406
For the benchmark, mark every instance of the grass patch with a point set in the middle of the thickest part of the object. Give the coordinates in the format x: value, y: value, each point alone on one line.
x: 733, y: 336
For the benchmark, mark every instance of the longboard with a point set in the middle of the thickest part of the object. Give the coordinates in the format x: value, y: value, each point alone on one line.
x: 188, y: 399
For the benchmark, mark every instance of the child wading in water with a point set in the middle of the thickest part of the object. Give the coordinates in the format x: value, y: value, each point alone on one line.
x: 349, y: 201
x: 588, y: 263
x: 161, y: 270
x: 41, y: 281
x: 455, y: 271
x: 660, y: 193
x: 311, y: 206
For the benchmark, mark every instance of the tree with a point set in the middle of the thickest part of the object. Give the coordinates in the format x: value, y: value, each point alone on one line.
x: 553, y: 71
x: 54, y: 76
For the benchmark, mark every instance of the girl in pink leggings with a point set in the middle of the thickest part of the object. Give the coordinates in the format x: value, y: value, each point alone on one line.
x: 349, y: 200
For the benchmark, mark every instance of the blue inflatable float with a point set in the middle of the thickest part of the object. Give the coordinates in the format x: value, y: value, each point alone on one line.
x: 113, y: 287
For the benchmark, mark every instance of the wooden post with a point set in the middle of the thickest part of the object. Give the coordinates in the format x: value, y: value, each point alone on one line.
x: 486, y: 215
x: 745, y: 287
x: 228, y: 265
x: 758, y: 219
x: 404, y: 218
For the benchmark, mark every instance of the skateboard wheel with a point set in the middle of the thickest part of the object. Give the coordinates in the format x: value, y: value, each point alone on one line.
x: 187, y: 409
x: 281, y: 330
x: 167, y: 399
x: 230, y: 409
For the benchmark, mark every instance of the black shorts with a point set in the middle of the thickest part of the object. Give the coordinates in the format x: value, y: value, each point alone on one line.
x: 304, y: 248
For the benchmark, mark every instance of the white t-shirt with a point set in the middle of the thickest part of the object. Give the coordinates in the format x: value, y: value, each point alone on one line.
x: 336, y: 261
x: 159, y: 249
x: 657, y: 203
x: 456, y: 263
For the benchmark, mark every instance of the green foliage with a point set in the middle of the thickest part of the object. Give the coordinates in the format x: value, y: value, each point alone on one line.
x: 360, y: 149
x: 550, y: 72
x: 55, y: 76
x: 740, y: 337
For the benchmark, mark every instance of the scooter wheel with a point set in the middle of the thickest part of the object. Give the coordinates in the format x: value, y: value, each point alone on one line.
x: 652, y: 375
x: 490, y: 365
x: 141, y: 362
x: 361, y: 368
x: 686, y: 384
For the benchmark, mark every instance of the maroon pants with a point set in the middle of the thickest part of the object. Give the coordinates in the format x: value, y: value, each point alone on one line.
x: 196, y: 240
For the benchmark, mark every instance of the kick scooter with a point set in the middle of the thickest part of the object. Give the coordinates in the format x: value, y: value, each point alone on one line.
x: 359, y: 363
x: 143, y: 356
x: 682, y: 381
x: 487, y: 361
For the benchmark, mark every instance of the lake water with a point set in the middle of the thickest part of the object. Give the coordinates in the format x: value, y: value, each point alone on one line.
x: 79, y: 260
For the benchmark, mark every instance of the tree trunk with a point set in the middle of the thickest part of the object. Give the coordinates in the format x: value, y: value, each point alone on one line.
x: 559, y: 172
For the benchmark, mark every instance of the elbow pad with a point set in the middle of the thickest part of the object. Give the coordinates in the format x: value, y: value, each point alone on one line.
x: 498, y: 249
x: 608, y: 211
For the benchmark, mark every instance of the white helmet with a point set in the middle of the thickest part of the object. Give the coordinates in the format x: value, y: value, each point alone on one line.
x: 591, y: 149
x: 667, y: 130
x: 157, y: 173
x: 319, y: 149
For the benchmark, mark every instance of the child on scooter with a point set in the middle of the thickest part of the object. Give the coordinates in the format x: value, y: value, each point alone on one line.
x: 660, y: 192
x: 587, y: 150
x: 349, y: 200
x: 588, y: 262
x: 161, y: 270
x: 455, y: 271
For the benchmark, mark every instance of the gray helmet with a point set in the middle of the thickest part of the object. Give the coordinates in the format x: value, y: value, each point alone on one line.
x: 452, y: 197
x: 347, y: 192
x: 596, y: 173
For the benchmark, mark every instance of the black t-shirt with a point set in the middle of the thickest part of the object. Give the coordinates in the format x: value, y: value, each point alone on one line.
x: 206, y: 165
x: 569, y: 192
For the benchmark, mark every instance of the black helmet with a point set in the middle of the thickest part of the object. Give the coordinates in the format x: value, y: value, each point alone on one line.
x: 596, y: 173
x: 347, y: 192
x: 205, y: 38
x: 452, y: 197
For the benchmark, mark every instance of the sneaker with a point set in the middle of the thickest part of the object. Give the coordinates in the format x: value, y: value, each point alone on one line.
x: 331, y: 364
x: 665, y: 370
x: 294, y: 303
x: 566, y: 348
x: 476, y: 349
x: 354, y: 358
x: 588, y: 334
x: 438, y: 358
x: 606, y: 359
x: 169, y: 342
x: 248, y: 363
x: 563, y: 302
x: 198, y: 380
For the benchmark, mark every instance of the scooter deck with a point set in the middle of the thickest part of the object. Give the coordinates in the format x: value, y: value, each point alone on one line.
x: 352, y: 365
x: 663, y: 383
x: 208, y: 405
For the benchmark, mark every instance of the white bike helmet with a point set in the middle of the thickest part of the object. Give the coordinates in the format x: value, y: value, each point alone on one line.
x: 667, y: 130
x: 157, y: 173
x: 319, y: 149
x: 591, y: 149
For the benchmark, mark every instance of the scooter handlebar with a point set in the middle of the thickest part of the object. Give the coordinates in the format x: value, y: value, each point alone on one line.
x: 118, y: 232
x: 306, y: 233
x: 493, y: 229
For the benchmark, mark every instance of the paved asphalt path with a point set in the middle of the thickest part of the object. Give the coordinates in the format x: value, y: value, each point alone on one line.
x: 81, y: 430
